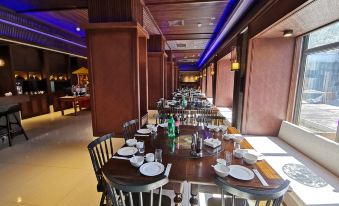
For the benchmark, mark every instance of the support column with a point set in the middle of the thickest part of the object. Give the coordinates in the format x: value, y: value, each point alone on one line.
x: 225, y: 84
x: 115, y: 40
x: 209, y: 83
x: 156, y: 69
x: 214, y: 80
x: 170, y: 75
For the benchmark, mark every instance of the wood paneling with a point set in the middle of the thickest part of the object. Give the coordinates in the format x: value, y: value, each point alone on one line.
x: 26, y: 58
x: 225, y: 84
x: 170, y: 79
x: 114, y: 74
x: 115, y: 11
x: 268, y: 80
x: 156, y: 43
x: 306, y: 19
x: 143, y: 76
x: 156, y: 66
x: 6, y: 73
x: 209, y: 91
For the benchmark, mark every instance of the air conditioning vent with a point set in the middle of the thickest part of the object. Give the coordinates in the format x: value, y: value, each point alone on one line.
x: 176, y: 23
x: 181, y: 45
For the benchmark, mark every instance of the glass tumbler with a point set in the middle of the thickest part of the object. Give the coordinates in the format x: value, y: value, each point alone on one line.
x: 228, y: 158
x: 141, y: 147
x: 158, y: 155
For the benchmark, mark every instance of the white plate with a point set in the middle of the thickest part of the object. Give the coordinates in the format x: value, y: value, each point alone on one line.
x: 144, y: 131
x: 127, y: 151
x: 163, y: 125
x: 152, y: 169
x: 241, y: 172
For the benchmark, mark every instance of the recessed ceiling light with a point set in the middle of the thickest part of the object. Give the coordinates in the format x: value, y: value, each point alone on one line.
x: 287, y: 32
x: 212, y: 17
x: 199, y: 24
x: 211, y: 23
x: 77, y: 29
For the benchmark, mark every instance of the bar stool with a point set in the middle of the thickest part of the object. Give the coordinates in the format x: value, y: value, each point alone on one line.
x: 13, y: 125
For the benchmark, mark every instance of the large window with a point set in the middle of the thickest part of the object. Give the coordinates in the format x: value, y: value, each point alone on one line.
x: 318, y: 91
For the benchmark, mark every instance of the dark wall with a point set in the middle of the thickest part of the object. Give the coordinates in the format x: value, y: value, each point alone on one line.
x: 6, y: 74
x: 26, y: 58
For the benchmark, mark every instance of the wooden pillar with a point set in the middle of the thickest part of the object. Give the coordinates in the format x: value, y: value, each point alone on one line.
x: 169, y: 75
x: 209, y: 83
x: 214, y: 80
x: 116, y: 43
x: 156, y: 69
x: 225, y: 84
x: 143, y: 74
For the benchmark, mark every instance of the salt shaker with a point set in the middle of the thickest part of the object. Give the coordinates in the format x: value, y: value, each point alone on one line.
x: 199, y: 147
x: 193, y: 144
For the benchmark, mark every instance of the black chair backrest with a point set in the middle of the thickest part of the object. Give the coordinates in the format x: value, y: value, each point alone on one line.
x: 272, y: 197
x: 101, y: 150
x: 117, y: 188
x: 130, y: 128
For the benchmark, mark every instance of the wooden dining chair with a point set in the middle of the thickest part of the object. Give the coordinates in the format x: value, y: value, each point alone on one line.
x: 100, y: 151
x: 130, y: 128
x: 137, y: 194
x: 243, y: 196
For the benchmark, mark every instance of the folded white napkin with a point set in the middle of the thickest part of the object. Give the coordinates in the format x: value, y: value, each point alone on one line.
x: 212, y: 142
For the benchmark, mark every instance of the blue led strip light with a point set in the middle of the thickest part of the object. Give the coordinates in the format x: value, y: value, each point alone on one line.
x: 228, y: 20
x: 40, y: 32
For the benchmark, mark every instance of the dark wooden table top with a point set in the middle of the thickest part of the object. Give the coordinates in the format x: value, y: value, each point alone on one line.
x: 187, y: 168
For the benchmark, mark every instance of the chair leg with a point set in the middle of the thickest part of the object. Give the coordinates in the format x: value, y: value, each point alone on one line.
x: 103, y: 196
x: 9, y: 135
x: 21, y: 128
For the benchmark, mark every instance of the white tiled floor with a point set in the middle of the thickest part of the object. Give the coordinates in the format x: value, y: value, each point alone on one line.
x: 53, y: 167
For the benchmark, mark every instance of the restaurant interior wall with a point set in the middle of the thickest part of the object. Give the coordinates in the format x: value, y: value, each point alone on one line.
x: 209, y: 86
x: 156, y: 58
x: 267, y: 88
x: 225, y: 84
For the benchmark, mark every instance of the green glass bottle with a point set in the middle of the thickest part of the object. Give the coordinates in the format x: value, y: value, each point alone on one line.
x: 171, y: 127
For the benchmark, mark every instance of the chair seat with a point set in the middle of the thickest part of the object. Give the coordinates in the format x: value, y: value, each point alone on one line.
x: 213, y: 201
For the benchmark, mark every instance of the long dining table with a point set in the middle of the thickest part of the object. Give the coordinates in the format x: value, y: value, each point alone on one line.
x: 186, y: 168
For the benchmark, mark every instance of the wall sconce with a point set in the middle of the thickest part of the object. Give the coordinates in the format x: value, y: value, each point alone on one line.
x: 235, y: 65
x: 212, y: 72
x: 2, y: 62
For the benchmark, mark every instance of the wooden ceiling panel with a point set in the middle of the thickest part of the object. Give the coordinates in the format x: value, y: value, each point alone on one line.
x: 190, y: 14
x: 306, y: 19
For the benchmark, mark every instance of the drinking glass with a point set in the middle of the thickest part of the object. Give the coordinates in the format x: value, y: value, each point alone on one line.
x: 228, y: 158
x: 141, y: 147
x: 158, y: 155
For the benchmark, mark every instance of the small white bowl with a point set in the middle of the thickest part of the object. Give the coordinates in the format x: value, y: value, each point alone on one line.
x: 237, y: 138
x: 238, y: 153
x: 149, y: 157
x: 221, y: 170
x: 136, y: 161
x: 250, y: 158
x: 227, y: 136
x: 131, y: 142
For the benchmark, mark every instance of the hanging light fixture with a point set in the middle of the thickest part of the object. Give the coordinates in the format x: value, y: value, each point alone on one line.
x: 235, y: 65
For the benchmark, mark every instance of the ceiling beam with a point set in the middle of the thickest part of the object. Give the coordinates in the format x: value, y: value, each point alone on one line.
x: 151, y: 3
x: 24, y: 6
